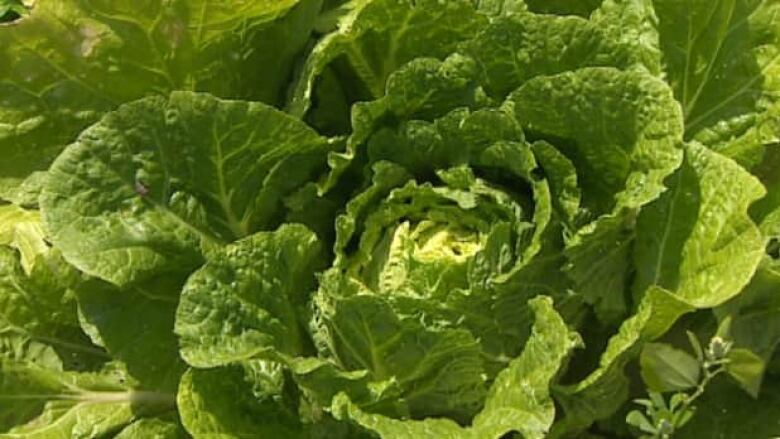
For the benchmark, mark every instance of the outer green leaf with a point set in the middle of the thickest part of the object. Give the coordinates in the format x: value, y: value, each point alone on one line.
x: 666, y: 369
x: 124, y: 206
x: 40, y: 308
x: 516, y: 48
x: 378, y: 36
x: 322, y: 379
x: 20, y: 347
x: 610, y: 121
x: 699, y: 230
x: 152, y: 428
x: 40, y: 403
x: 622, y: 132
x: 386, y: 427
x: 599, y: 264
x: 221, y: 403
x: 438, y: 371
x: 69, y: 62
x: 518, y: 400
x: 135, y: 326
x: 562, y: 178
x: 495, y: 8
x: 425, y: 89
x: 250, y: 299
x: 22, y: 229
x: 723, y: 60
x: 604, y: 391
x: 633, y: 26
x: 719, y: 253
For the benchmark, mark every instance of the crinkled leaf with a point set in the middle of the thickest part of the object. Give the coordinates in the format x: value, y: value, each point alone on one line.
x: 599, y: 263
x: 223, y: 403
x: 562, y: 178
x: 767, y: 210
x: 604, y: 391
x: 424, y: 88
x: 71, y: 61
x: 518, y: 400
x: 378, y: 36
x: 516, y: 48
x: 154, y: 185
x: 719, y: 253
x: 563, y: 7
x: 633, y: 26
x: 607, y: 122
x: 622, y: 132
x: 439, y: 371
x: 250, y: 299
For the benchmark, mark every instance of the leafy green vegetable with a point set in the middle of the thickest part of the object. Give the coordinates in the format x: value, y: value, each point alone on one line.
x: 71, y: 403
x: 708, y: 45
x: 73, y: 61
x: 249, y: 298
x: 158, y: 213
x: 517, y: 401
x: 223, y: 403
x: 389, y: 218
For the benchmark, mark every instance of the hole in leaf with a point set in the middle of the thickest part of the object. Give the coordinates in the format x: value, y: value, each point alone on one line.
x: 538, y: 174
x: 10, y: 17
x: 773, y: 248
x: 11, y: 11
x: 583, y: 8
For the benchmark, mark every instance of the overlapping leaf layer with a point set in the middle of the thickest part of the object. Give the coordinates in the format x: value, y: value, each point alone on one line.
x: 465, y: 219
